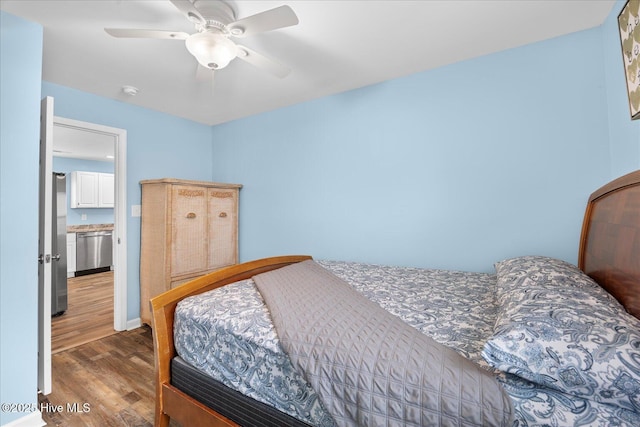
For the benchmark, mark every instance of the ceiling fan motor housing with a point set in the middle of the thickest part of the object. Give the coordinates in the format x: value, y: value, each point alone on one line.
x: 215, y: 10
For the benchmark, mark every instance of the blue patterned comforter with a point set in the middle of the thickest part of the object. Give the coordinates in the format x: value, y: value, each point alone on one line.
x: 227, y: 333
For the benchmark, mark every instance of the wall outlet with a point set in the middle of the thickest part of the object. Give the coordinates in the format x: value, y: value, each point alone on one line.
x: 136, y: 210
x: 83, y: 217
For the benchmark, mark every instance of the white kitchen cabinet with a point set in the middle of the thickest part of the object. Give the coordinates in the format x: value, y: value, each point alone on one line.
x: 92, y: 190
x: 106, y: 190
x: 71, y: 254
x: 84, y: 189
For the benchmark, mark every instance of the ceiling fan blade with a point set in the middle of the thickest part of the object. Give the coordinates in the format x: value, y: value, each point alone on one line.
x: 190, y: 11
x: 273, y: 19
x: 146, y: 34
x: 261, y: 61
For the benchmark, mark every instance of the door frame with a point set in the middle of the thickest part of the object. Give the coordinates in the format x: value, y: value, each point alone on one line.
x: 119, y: 213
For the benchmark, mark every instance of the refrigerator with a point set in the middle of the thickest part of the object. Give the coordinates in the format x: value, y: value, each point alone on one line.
x: 59, y: 245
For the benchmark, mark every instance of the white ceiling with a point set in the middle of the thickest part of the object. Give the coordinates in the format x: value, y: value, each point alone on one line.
x: 337, y: 46
x: 79, y: 143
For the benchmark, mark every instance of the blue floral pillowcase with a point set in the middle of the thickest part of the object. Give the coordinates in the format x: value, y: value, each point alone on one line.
x: 558, y: 328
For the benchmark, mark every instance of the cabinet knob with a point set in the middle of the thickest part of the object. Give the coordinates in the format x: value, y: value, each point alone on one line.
x: 191, y: 215
x: 222, y: 215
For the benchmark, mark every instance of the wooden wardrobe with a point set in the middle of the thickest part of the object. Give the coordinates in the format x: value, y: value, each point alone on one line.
x: 189, y: 228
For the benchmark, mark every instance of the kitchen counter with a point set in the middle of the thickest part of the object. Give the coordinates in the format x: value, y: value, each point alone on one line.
x: 89, y: 227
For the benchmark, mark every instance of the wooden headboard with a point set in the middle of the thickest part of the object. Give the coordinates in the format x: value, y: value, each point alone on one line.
x: 610, y: 241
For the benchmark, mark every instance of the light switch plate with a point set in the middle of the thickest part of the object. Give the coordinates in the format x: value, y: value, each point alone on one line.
x: 136, y: 211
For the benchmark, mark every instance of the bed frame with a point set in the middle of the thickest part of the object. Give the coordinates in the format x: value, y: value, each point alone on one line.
x: 610, y: 243
x: 609, y: 252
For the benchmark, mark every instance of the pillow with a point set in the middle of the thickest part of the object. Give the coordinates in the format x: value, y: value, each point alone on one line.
x: 558, y: 328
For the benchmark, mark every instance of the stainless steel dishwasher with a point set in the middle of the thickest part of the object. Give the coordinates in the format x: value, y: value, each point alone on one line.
x: 94, y: 251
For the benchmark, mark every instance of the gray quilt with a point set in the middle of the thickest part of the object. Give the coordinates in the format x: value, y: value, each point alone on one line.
x: 368, y: 366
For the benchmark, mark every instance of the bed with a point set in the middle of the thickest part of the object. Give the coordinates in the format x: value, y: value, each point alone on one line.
x: 538, y: 342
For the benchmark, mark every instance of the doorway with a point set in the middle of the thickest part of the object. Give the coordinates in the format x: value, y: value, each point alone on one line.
x: 84, y: 140
x: 50, y: 122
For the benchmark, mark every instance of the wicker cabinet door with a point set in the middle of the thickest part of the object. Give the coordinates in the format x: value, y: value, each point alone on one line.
x: 223, y: 227
x: 189, y: 244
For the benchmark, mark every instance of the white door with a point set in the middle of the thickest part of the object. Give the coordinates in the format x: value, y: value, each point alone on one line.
x: 44, y: 246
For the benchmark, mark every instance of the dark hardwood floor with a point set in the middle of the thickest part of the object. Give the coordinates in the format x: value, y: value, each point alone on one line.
x: 106, y: 382
x: 100, y: 377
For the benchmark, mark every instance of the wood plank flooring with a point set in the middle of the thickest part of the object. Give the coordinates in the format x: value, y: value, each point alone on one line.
x: 107, y: 382
x: 100, y: 377
x: 89, y: 315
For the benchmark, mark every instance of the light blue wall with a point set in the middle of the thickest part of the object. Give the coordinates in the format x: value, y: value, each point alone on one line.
x: 452, y: 168
x: 94, y: 215
x: 158, y: 146
x: 624, y: 133
x: 20, y: 65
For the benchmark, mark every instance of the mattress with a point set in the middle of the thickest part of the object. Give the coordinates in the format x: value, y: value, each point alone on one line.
x: 226, y: 401
x: 228, y: 335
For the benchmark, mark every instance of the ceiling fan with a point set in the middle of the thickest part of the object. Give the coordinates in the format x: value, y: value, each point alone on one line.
x: 215, y: 22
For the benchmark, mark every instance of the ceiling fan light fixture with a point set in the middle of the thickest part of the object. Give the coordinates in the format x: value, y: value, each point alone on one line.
x: 213, y: 51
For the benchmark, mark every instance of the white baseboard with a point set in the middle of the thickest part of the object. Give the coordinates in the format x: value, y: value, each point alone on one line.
x: 133, y: 323
x: 34, y: 419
